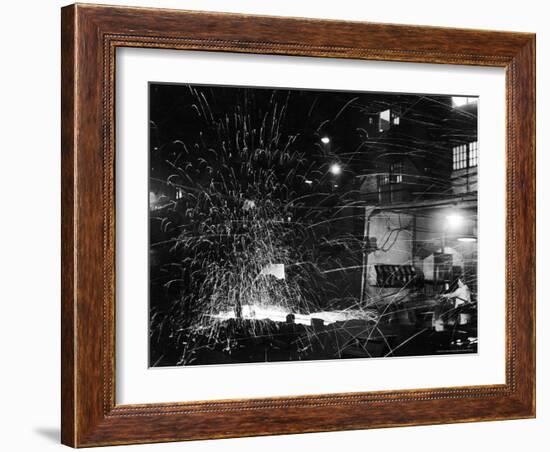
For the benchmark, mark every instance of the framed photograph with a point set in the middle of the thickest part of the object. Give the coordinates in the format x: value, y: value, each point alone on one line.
x: 281, y: 225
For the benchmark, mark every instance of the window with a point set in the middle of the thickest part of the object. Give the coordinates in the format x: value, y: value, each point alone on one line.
x: 384, y: 120
x: 388, y: 118
x: 396, y: 173
x: 460, y: 101
x: 394, y: 176
x: 395, y: 116
x: 459, y: 157
x: 472, y: 151
x: 465, y: 155
x: 391, y: 186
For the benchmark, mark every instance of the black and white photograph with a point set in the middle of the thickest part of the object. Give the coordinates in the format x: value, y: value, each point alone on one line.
x: 294, y: 224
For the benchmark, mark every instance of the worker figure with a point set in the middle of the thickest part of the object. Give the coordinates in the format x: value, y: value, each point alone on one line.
x: 449, y: 311
x: 461, y: 295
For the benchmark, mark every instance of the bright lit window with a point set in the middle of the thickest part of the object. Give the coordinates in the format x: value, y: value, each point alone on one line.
x: 396, y: 116
x: 384, y: 120
x: 465, y: 155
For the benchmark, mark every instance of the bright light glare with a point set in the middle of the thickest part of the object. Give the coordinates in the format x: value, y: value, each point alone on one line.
x: 454, y: 220
x: 325, y: 140
x: 467, y: 239
x: 460, y: 101
x: 335, y: 169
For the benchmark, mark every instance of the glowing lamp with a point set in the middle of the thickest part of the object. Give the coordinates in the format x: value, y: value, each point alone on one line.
x: 467, y: 238
x: 454, y: 220
x: 335, y: 169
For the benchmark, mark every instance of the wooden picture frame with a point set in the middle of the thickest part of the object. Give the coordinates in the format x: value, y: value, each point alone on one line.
x: 90, y: 36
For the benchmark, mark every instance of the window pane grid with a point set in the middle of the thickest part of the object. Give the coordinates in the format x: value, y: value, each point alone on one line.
x: 465, y: 155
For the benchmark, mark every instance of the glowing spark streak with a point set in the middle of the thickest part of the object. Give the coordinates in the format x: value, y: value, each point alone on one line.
x: 278, y: 314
